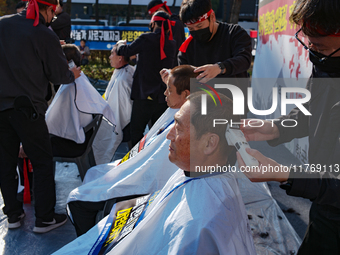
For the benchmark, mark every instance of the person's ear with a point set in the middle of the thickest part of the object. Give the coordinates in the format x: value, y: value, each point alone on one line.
x: 213, y: 17
x: 211, y: 142
x: 50, y: 9
x: 186, y: 93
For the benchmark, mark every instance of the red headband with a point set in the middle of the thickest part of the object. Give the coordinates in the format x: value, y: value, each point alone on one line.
x: 33, y: 10
x: 156, y: 7
x: 162, y: 41
x: 200, y: 19
x: 321, y: 31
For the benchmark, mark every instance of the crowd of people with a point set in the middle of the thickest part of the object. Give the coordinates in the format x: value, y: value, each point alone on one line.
x: 153, y: 200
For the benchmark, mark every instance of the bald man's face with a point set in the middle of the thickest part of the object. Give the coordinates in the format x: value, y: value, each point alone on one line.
x: 174, y: 100
x: 179, y: 136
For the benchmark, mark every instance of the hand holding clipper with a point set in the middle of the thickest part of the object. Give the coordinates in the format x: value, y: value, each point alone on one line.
x: 236, y: 138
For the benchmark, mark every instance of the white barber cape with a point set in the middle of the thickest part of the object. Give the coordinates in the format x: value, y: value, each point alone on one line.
x: 71, y: 110
x: 117, y: 95
x: 202, y: 216
x: 272, y: 232
x: 146, y: 172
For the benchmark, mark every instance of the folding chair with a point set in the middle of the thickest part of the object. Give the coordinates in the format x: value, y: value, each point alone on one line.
x: 86, y: 160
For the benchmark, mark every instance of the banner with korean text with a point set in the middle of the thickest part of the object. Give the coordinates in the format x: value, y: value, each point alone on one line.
x: 104, y: 37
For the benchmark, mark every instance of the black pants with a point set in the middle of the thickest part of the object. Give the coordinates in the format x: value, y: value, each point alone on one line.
x: 62, y: 147
x: 84, y: 213
x: 142, y: 112
x: 15, y: 127
x: 323, y: 234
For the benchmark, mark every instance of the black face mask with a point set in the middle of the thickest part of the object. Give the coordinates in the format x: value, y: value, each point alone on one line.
x: 330, y: 65
x: 151, y: 27
x: 202, y: 35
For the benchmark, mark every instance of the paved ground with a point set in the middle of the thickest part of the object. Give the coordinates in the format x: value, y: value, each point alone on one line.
x: 23, y: 241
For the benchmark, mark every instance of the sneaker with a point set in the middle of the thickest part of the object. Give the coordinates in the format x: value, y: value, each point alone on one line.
x: 14, y: 220
x: 43, y: 227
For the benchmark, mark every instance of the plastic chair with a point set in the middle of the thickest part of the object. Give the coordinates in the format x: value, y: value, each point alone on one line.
x: 86, y: 160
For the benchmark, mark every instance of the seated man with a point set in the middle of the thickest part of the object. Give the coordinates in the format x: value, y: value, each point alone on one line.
x: 200, y: 215
x: 144, y: 173
x: 72, y: 109
x: 118, y: 92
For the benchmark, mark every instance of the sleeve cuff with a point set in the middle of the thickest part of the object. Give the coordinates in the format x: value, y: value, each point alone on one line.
x: 276, y: 141
x: 229, y: 68
x: 300, y: 185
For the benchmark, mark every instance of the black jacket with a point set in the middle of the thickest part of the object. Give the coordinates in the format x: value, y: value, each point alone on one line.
x: 178, y: 31
x: 30, y: 57
x: 231, y: 45
x: 62, y: 26
x: 147, y: 80
x: 323, y: 130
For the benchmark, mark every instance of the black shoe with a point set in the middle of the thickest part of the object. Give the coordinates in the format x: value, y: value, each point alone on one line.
x: 14, y: 220
x: 43, y: 227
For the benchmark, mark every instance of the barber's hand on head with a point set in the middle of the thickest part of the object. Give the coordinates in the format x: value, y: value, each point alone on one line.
x: 76, y: 71
x: 263, y: 173
x: 62, y: 42
x: 22, y: 153
x: 208, y: 72
x: 165, y: 75
x: 257, y: 132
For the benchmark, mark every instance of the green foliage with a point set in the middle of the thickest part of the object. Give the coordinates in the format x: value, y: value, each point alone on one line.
x: 99, y: 65
x: 99, y: 72
x: 3, y: 7
x: 100, y: 57
x: 8, y: 6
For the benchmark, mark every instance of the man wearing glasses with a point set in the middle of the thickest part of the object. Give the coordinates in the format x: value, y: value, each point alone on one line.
x: 320, y: 23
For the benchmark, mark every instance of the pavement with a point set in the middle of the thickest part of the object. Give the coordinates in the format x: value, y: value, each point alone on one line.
x: 23, y: 241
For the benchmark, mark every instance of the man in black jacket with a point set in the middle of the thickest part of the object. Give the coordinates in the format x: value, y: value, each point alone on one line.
x: 218, y: 49
x: 31, y: 57
x: 178, y: 29
x: 320, y: 180
x: 156, y: 50
x: 62, y: 24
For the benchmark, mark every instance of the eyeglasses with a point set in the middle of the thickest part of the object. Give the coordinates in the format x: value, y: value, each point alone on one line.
x: 321, y: 59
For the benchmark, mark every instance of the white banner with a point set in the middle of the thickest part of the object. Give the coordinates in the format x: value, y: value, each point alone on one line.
x: 279, y: 55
